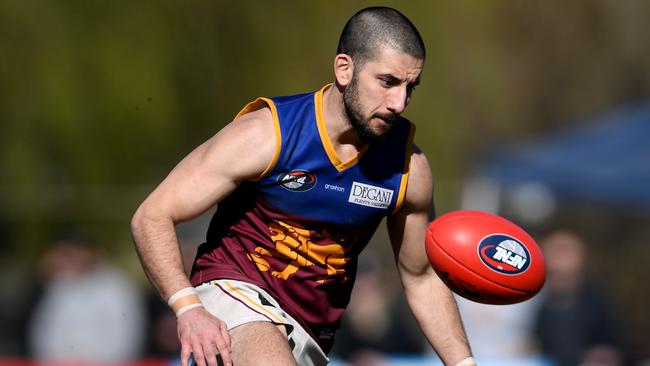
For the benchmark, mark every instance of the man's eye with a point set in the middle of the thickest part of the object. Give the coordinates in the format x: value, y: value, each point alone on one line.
x: 387, y: 81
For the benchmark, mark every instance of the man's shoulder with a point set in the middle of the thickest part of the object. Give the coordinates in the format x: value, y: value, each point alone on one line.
x: 419, y: 195
x: 259, y: 116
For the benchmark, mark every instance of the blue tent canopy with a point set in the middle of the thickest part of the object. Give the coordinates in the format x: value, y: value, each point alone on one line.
x: 606, y: 160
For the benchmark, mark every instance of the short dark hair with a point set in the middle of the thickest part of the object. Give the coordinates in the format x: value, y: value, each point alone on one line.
x: 373, y: 27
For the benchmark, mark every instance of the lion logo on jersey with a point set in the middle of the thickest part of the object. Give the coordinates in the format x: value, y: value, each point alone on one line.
x: 293, y: 244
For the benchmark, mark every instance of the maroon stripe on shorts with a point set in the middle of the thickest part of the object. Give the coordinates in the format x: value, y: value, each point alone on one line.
x: 243, y: 303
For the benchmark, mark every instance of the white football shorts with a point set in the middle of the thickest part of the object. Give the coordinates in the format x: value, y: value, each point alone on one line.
x: 237, y: 302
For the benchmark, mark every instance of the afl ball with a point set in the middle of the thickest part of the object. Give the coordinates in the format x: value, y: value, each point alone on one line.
x: 484, y: 257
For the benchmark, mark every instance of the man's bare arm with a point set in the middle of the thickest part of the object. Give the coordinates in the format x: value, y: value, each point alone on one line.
x: 430, y: 300
x: 240, y: 151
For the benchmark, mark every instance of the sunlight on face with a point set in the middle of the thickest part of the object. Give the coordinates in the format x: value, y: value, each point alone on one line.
x: 380, y: 91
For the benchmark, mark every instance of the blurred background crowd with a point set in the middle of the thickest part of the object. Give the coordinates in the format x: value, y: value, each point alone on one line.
x: 538, y: 111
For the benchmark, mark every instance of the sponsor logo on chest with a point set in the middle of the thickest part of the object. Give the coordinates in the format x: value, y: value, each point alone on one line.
x: 370, y: 196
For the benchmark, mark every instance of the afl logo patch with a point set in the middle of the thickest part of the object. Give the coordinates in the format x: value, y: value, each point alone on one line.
x: 504, y: 254
x: 297, y: 180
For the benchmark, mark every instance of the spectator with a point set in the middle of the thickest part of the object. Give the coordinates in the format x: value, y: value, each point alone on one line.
x: 89, y: 310
x: 576, y: 324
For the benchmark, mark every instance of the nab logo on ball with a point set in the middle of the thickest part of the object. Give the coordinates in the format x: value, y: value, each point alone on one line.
x: 504, y: 254
x: 297, y: 180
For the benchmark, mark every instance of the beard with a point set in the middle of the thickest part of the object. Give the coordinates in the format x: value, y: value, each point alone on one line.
x: 359, y: 123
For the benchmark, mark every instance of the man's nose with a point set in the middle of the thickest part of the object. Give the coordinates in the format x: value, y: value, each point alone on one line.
x: 397, y: 100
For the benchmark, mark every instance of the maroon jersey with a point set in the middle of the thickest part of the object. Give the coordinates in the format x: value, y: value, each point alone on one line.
x: 297, y: 231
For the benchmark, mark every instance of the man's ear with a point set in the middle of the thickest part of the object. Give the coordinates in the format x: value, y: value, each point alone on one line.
x: 343, y: 69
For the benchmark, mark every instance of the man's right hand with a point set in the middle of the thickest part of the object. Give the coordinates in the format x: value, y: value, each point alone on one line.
x: 203, y: 336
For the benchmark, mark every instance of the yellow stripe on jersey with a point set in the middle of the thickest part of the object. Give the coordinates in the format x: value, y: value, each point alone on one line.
x: 324, y: 136
x: 257, y: 104
x: 406, y: 170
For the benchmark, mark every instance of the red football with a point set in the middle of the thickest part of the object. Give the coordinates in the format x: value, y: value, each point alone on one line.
x: 484, y: 257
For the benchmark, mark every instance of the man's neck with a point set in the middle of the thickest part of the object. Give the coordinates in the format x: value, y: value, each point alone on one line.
x: 343, y: 137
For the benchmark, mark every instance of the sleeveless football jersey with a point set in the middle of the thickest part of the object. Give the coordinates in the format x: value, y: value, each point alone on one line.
x: 298, y: 229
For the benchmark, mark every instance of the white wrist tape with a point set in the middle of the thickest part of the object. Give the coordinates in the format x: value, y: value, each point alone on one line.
x: 181, y: 293
x: 186, y: 308
x: 469, y: 361
x: 183, y: 300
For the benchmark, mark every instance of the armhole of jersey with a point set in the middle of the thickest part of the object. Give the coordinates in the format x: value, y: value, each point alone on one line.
x: 405, y: 171
x: 258, y: 104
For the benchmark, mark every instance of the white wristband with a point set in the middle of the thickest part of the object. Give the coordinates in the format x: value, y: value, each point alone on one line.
x: 469, y: 361
x: 181, y: 293
x: 186, y: 308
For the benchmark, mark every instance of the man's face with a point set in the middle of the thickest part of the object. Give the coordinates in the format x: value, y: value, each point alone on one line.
x: 380, y: 91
